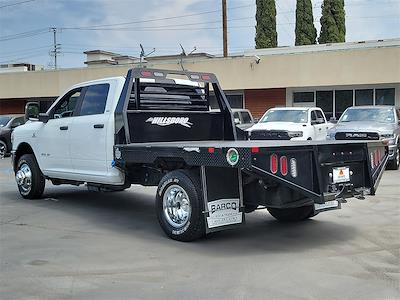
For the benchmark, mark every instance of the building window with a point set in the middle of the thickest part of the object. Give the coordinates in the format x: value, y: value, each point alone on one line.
x: 384, y: 96
x: 325, y: 102
x: 364, y: 97
x: 343, y: 100
x: 235, y: 100
x: 300, y: 97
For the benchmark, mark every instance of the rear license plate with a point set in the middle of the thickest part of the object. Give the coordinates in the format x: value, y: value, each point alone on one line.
x: 326, y: 205
x: 341, y: 174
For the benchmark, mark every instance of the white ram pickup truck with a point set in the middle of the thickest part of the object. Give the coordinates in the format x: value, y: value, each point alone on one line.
x: 291, y: 123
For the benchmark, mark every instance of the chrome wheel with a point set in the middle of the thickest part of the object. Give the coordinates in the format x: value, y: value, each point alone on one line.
x: 3, y: 149
x: 24, y: 179
x: 176, y: 206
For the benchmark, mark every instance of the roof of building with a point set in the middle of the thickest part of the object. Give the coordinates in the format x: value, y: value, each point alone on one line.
x: 101, y: 52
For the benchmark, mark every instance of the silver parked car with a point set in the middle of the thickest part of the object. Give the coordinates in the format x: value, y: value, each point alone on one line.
x: 371, y: 123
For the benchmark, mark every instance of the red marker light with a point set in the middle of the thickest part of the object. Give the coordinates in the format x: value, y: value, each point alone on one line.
x: 146, y: 73
x: 284, y: 166
x: 211, y: 150
x: 273, y: 162
x: 255, y: 149
x: 206, y: 77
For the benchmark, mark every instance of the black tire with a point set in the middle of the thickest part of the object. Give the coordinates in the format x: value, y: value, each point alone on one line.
x: 189, y: 182
x: 394, y: 163
x: 37, y: 179
x: 295, y: 214
x: 3, y: 149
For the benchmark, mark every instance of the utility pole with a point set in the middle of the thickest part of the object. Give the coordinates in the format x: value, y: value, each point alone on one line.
x: 224, y: 28
x: 56, y: 47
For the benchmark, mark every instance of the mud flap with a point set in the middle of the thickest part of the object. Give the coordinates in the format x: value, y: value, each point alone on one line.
x: 223, y: 198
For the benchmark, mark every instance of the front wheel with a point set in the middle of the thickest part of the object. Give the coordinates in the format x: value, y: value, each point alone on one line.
x: 30, y: 179
x: 179, y: 206
x: 3, y: 149
x: 295, y: 214
x: 395, y: 162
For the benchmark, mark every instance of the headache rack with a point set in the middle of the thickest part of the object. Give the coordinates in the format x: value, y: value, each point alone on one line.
x: 150, y: 94
x: 168, y: 96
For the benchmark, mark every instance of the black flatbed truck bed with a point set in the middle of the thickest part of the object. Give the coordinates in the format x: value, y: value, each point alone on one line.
x: 186, y: 149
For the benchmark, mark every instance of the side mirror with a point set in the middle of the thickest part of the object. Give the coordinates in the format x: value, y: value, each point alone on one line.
x: 320, y: 121
x: 43, y: 117
x: 32, y: 110
x: 333, y: 120
x: 237, y: 121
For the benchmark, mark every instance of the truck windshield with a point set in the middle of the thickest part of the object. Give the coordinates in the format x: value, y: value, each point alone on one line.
x: 4, y: 120
x: 294, y: 116
x: 380, y: 115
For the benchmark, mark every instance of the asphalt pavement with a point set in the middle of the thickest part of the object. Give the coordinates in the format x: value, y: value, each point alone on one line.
x: 76, y: 244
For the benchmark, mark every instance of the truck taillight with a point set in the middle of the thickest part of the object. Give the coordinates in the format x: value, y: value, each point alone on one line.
x: 283, y: 165
x: 273, y: 162
x: 293, y: 167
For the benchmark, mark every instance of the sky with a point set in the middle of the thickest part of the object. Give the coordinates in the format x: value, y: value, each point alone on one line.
x: 121, y: 25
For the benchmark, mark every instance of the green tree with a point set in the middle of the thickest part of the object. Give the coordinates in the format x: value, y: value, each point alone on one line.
x: 333, y: 25
x: 266, y: 35
x: 306, y: 33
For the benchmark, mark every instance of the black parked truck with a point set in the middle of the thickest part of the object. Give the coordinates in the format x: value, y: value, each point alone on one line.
x: 207, y: 171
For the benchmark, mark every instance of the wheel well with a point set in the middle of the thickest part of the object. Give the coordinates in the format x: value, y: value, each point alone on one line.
x: 22, y: 149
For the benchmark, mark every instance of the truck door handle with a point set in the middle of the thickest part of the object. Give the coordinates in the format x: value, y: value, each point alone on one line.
x: 63, y: 127
x: 320, y: 129
x: 98, y: 126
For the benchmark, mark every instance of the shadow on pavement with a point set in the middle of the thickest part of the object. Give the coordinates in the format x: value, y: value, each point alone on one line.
x: 131, y: 213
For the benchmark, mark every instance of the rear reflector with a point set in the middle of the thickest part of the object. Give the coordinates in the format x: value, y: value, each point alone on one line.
x: 273, y: 163
x: 284, y: 166
x: 293, y: 167
x: 255, y: 149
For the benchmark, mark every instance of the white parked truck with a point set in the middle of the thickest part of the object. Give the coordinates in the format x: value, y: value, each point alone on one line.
x: 291, y: 123
x: 154, y: 130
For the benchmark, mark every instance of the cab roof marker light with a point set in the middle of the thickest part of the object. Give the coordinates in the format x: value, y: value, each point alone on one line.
x: 293, y: 167
x: 205, y: 77
x: 159, y: 74
x: 145, y: 73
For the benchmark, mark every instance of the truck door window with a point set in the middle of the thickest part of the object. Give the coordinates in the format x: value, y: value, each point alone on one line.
x: 236, y: 117
x: 313, y: 117
x: 94, y: 100
x: 320, y: 116
x: 17, y: 122
x: 246, y: 117
x: 67, y: 105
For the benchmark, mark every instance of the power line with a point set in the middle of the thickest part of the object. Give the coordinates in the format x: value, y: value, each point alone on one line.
x: 156, y: 19
x: 17, y: 3
x: 25, y: 34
